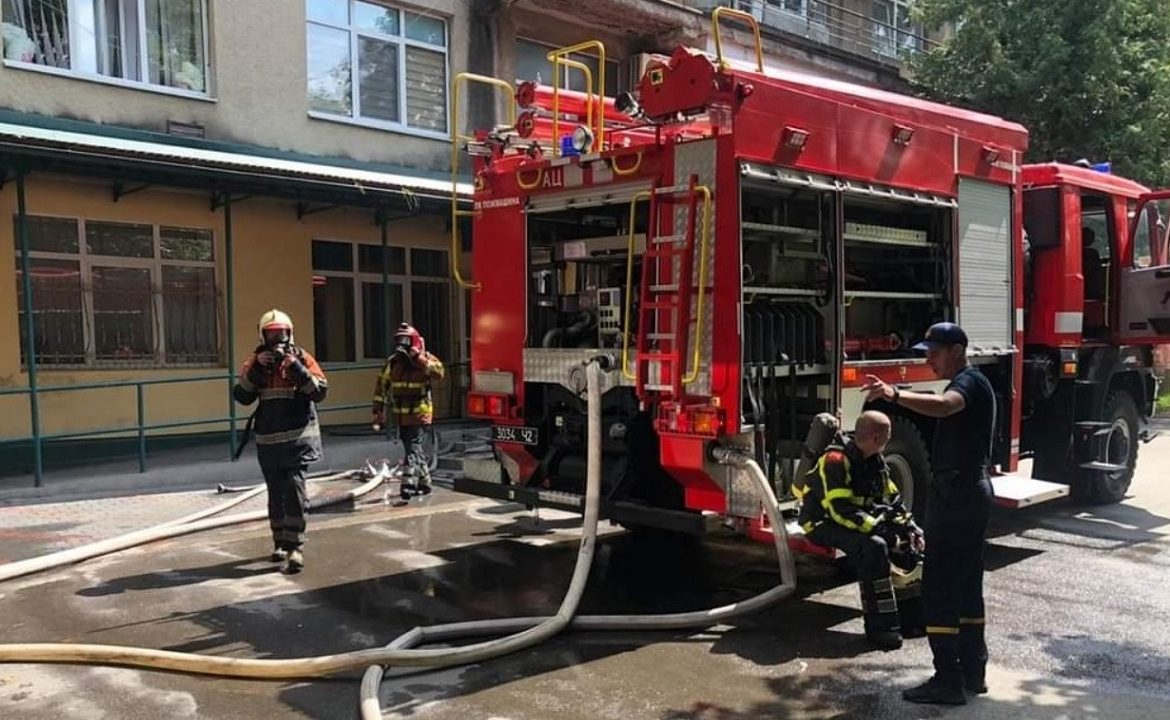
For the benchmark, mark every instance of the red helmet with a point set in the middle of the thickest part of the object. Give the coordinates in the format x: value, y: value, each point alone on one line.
x: 407, y: 336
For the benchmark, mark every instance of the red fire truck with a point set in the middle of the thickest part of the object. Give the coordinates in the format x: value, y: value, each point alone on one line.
x: 747, y: 245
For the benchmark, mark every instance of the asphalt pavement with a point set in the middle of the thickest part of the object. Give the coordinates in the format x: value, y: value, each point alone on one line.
x: 1079, y: 618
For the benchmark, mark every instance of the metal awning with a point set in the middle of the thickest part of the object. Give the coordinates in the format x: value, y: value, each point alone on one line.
x: 218, y: 170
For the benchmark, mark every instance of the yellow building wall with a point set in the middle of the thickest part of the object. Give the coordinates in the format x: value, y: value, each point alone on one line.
x: 272, y: 268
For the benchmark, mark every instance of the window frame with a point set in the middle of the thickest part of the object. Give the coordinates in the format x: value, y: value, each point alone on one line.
x: 86, y: 261
x: 887, y: 36
x: 402, y: 42
x: 405, y: 281
x: 142, y: 65
x: 579, y: 57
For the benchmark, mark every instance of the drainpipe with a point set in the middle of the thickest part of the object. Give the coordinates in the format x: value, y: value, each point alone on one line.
x: 229, y: 291
x: 30, y: 342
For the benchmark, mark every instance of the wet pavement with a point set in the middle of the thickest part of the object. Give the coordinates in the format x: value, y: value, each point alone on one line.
x: 1078, y: 611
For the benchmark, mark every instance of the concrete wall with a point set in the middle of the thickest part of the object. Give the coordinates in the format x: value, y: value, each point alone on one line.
x: 273, y: 268
x: 257, y: 89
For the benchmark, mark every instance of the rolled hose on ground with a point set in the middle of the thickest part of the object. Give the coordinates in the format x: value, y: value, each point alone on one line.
x: 187, y: 524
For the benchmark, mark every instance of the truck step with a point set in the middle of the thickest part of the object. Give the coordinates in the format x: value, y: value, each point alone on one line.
x: 1015, y: 491
x: 1104, y: 466
x: 1093, y: 424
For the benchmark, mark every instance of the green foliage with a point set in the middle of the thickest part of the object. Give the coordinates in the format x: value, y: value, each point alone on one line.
x: 1088, y: 79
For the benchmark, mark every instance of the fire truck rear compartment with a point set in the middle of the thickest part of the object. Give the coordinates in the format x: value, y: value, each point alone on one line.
x: 577, y: 287
x: 577, y: 275
x: 888, y: 264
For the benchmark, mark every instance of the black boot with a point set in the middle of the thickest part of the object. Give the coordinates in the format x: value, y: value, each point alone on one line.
x: 946, y: 686
x: 973, y: 656
x: 881, y: 614
x: 938, y: 690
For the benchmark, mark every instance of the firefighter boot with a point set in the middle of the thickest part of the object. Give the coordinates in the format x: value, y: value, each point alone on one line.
x: 407, y: 488
x: 973, y: 656
x: 279, y: 554
x: 294, y: 563
x: 881, y: 614
x: 946, y: 686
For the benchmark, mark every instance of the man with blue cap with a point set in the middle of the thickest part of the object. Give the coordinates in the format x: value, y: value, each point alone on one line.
x: 956, y: 520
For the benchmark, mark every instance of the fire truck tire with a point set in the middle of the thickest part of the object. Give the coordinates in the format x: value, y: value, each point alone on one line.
x: 1094, y: 487
x: 909, y: 462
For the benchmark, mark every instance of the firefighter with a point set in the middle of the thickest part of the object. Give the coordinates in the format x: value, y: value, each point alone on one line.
x: 850, y: 502
x: 289, y: 384
x: 404, y: 385
x: 959, y: 508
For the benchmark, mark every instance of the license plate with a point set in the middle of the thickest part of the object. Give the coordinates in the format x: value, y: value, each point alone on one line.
x: 513, y: 434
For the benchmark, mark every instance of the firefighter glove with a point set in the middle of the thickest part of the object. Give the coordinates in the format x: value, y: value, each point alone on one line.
x: 256, y: 374
x: 887, y: 531
x: 297, y: 370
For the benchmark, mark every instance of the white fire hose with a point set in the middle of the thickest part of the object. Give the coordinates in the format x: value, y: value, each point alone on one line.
x: 194, y: 522
x: 526, y: 631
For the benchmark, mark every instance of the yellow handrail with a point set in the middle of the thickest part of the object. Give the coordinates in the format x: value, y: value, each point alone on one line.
x: 568, y: 64
x: 613, y: 163
x: 579, y: 47
x: 705, y: 235
x: 738, y: 15
x: 456, y: 84
x: 630, y: 287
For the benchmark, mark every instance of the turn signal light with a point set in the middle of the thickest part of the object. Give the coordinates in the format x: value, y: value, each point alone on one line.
x: 477, y: 405
x: 488, y: 405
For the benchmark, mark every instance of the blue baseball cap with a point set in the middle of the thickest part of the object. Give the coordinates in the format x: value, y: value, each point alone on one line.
x: 942, y: 334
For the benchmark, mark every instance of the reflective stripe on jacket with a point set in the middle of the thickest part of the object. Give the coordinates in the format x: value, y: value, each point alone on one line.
x: 844, y: 488
x: 287, y: 432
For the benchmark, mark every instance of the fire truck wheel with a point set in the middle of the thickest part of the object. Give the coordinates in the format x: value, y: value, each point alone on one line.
x: 909, y: 463
x: 1121, y: 446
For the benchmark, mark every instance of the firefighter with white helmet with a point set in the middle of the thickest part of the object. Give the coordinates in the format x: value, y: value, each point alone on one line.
x: 404, y: 389
x: 288, y: 383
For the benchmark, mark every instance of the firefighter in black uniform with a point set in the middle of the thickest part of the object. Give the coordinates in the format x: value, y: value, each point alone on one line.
x: 850, y: 502
x: 959, y: 507
x: 289, y: 383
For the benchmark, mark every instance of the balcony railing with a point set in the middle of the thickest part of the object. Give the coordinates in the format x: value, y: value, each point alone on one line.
x: 834, y: 25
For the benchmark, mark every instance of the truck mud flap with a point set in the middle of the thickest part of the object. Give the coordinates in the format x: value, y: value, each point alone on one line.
x: 623, y: 513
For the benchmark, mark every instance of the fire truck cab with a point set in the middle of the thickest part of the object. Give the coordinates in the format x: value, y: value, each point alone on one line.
x: 1096, y: 263
x: 745, y: 246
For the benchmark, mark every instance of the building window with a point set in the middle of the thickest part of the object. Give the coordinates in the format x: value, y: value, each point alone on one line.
x: 893, y: 30
x: 378, y: 63
x: 153, y: 42
x: 532, y: 63
x: 111, y: 294
x: 354, y: 318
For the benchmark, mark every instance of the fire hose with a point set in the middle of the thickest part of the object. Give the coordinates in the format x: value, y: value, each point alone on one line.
x: 192, y: 523
x: 526, y: 632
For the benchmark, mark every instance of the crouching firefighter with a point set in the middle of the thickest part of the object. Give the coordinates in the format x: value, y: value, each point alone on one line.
x: 404, y: 387
x: 850, y: 502
x: 289, y: 383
